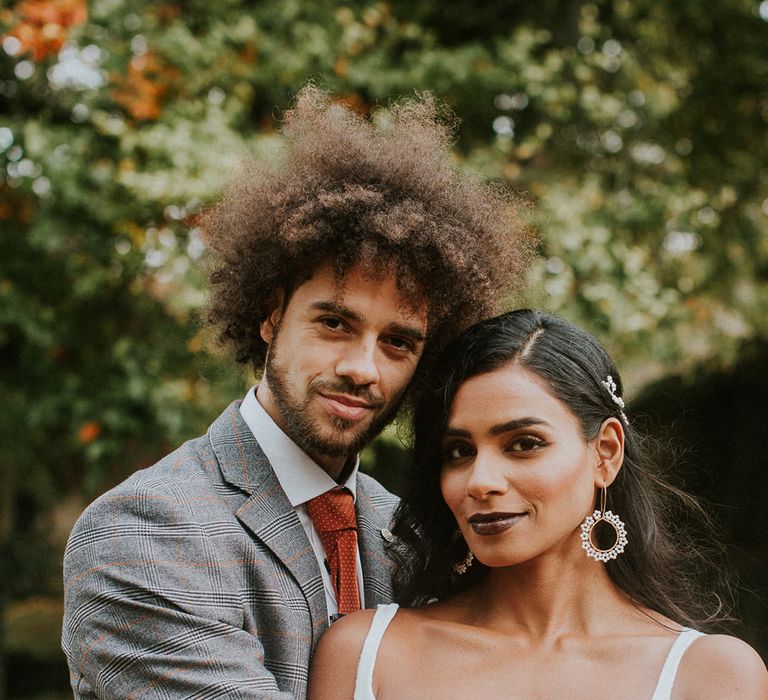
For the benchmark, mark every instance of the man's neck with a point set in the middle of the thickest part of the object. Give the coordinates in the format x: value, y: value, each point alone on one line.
x: 338, y: 468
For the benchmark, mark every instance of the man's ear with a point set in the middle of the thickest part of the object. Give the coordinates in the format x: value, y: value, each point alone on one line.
x: 270, y: 323
x: 609, y: 447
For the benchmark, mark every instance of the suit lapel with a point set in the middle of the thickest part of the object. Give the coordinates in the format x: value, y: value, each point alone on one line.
x: 377, y: 566
x: 267, y: 512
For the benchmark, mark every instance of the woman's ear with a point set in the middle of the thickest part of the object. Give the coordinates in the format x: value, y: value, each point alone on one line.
x: 609, y: 446
x: 272, y: 320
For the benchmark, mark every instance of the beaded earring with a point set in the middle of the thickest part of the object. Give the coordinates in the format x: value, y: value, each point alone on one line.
x: 588, y: 542
x: 462, y: 566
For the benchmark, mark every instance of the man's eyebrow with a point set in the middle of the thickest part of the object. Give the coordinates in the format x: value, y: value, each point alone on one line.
x: 334, y: 307
x: 407, y: 331
x: 501, y: 428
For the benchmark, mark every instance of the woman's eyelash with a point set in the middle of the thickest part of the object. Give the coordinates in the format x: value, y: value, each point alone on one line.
x: 527, y: 442
x: 456, y: 451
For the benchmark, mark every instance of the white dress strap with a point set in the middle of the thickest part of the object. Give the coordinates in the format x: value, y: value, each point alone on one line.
x: 364, y: 679
x: 669, y: 671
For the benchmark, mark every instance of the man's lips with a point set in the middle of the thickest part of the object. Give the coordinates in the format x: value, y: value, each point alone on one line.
x: 347, y: 407
x: 494, y: 523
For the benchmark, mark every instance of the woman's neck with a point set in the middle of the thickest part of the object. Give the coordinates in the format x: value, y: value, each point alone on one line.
x: 553, y: 596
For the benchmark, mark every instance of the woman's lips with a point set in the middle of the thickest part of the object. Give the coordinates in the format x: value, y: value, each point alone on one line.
x: 486, y: 524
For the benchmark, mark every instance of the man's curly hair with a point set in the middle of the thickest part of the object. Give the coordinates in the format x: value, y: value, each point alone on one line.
x: 384, y: 193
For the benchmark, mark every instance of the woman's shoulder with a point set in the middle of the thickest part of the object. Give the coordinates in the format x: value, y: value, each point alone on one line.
x: 335, y: 660
x: 720, y: 666
x: 351, y: 630
x: 347, y: 635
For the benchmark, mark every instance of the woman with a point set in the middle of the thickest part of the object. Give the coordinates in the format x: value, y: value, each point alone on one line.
x: 525, y: 582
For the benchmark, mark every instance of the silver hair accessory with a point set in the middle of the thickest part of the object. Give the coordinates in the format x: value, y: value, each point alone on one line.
x: 610, y: 385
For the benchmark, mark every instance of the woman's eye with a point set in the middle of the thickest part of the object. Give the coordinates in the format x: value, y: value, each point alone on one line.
x: 459, y: 451
x: 526, y: 444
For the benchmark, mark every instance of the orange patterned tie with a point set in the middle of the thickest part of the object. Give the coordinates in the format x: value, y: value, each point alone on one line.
x: 333, y: 515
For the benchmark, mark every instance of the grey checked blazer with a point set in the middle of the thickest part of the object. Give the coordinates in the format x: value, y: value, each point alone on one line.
x: 195, y: 579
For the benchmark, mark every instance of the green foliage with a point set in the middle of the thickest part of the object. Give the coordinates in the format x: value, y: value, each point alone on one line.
x: 33, y: 626
x: 636, y: 128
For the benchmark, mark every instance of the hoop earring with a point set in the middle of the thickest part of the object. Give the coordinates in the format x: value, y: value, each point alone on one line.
x: 587, y: 528
x: 461, y: 567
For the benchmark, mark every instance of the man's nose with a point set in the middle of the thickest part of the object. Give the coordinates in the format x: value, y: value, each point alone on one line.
x: 358, y: 363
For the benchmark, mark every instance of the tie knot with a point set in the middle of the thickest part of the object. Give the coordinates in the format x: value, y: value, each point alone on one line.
x: 333, y: 511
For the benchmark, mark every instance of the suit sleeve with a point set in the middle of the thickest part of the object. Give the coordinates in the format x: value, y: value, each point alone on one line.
x: 148, y: 612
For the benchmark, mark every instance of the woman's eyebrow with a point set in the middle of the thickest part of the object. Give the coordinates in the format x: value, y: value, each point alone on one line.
x: 506, y: 427
x: 517, y: 423
x: 457, y: 432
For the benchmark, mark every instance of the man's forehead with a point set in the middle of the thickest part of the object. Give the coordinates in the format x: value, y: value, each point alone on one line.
x: 360, y: 289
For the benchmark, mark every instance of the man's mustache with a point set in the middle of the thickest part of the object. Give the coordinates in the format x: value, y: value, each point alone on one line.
x: 348, y: 387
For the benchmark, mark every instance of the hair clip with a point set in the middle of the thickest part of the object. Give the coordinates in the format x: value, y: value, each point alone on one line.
x: 610, y: 385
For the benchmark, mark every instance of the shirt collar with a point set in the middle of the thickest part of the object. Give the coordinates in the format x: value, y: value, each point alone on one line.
x: 300, y: 476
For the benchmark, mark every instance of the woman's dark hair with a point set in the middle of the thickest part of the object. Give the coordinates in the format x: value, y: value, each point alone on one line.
x: 671, y: 562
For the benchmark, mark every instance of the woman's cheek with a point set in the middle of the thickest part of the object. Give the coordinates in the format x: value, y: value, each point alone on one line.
x: 451, y: 489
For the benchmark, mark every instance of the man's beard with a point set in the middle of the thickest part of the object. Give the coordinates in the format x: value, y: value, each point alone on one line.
x: 302, y: 428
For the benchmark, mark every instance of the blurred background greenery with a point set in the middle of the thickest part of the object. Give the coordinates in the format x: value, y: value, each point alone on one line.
x: 637, y: 129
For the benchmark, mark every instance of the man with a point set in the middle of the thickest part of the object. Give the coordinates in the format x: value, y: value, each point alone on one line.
x: 339, y: 269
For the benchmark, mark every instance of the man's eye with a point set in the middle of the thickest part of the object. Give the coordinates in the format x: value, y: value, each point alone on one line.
x: 332, y: 323
x: 400, y: 343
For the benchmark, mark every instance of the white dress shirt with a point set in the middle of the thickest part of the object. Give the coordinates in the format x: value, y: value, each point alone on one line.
x: 302, y: 479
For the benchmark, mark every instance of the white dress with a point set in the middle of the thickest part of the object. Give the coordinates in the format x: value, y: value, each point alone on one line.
x: 385, y: 613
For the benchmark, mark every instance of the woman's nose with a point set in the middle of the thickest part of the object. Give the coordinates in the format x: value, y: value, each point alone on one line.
x: 487, y: 477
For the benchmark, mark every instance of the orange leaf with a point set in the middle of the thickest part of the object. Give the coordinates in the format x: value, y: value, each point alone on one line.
x: 141, y: 91
x: 89, y: 432
x: 42, y: 24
